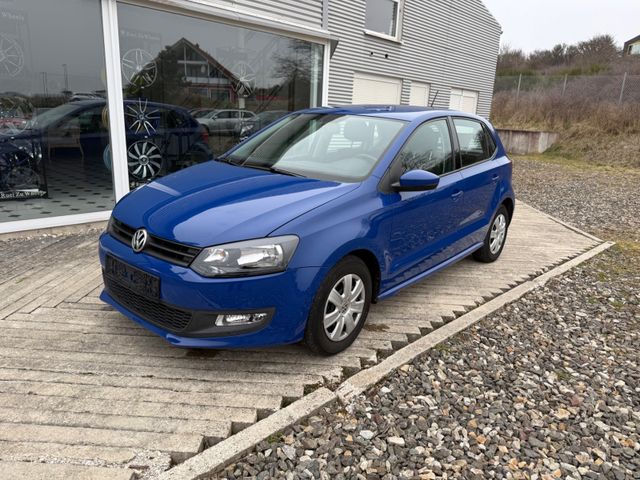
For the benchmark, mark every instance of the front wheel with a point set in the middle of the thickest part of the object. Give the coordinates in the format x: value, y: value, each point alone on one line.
x: 339, y: 308
x: 495, y: 238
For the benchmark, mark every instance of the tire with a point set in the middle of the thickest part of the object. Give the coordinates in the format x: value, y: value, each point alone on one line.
x: 317, y: 336
x: 499, y: 227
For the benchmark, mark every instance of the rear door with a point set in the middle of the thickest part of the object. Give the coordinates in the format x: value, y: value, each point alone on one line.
x: 481, y: 173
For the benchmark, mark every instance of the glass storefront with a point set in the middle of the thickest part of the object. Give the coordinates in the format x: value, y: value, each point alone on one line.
x: 52, y: 110
x: 192, y: 88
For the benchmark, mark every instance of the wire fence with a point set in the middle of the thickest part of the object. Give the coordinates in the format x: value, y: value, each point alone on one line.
x: 623, y: 88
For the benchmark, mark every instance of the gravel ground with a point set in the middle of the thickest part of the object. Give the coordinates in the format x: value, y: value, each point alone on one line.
x: 605, y: 202
x: 546, y: 388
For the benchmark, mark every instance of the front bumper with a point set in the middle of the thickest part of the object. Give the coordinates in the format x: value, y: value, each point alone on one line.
x: 190, y: 303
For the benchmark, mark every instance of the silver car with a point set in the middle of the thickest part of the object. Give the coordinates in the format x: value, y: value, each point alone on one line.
x: 225, y: 121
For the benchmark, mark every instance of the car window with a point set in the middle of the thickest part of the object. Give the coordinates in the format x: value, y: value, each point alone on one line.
x: 222, y: 115
x: 325, y: 146
x: 233, y: 114
x: 429, y: 148
x: 475, y: 144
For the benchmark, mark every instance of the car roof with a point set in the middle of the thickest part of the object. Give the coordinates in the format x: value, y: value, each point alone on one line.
x: 397, y: 112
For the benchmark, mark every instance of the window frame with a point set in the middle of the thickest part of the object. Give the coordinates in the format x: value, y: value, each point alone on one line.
x: 399, y: 21
x: 394, y: 171
x: 487, y: 131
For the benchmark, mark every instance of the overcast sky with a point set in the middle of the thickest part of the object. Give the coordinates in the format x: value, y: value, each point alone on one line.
x: 541, y: 24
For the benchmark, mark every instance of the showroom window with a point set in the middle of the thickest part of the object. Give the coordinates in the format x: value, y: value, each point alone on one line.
x: 383, y: 18
x: 194, y: 88
x: 53, y: 121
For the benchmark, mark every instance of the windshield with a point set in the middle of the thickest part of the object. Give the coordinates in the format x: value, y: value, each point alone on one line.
x: 48, y: 118
x: 335, y: 147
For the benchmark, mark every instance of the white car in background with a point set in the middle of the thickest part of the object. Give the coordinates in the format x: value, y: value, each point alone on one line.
x: 225, y: 121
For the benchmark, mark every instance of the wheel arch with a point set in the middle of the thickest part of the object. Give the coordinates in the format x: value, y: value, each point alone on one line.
x: 371, y: 261
x: 510, y: 206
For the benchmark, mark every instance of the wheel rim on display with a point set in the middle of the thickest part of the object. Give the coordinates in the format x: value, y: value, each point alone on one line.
x: 140, y: 119
x: 343, y: 309
x: 139, y: 67
x: 498, y: 232
x: 144, y: 160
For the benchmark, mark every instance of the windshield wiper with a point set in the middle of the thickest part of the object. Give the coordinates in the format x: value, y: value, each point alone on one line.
x: 271, y: 168
x: 226, y: 160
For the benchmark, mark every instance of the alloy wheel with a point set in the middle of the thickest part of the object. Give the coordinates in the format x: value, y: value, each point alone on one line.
x: 343, y: 309
x: 498, y: 233
x: 144, y: 160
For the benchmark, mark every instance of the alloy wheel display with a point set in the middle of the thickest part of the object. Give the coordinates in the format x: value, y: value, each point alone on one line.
x: 144, y: 159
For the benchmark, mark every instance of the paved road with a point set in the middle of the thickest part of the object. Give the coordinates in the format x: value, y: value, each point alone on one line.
x: 86, y: 392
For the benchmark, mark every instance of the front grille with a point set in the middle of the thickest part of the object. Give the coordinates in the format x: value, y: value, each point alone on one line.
x: 171, y: 252
x: 153, y: 311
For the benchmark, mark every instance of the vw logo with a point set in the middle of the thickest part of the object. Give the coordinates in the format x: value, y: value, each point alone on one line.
x: 139, y: 240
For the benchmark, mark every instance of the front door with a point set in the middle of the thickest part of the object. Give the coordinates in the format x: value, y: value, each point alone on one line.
x: 425, y: 224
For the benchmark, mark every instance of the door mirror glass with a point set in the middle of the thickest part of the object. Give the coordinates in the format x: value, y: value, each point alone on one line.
x: 416, y: 181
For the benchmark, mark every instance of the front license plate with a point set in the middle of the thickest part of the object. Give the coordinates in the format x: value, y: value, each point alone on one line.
x: 132, y: 278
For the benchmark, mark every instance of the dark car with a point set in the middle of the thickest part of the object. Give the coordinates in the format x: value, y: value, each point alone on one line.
x: 160, y: 139
x: 260, y: 121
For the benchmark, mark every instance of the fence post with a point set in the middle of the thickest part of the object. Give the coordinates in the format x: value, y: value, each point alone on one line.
x: 564, y: 85
x: 519, y: 83
x: 624, y: 83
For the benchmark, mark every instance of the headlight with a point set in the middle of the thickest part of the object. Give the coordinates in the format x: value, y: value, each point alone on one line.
x: 253, y: 257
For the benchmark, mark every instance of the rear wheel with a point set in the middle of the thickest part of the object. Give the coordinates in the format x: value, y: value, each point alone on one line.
x: 339, y: 308
x: 495, y: 238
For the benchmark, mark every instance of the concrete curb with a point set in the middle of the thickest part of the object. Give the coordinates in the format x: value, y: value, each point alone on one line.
x: 222, y: 454
x: 225, y: 452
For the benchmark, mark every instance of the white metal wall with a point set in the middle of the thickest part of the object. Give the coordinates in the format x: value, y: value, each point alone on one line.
x: 445, y: 44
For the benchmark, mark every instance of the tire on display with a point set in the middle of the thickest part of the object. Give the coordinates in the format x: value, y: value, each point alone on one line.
x: 340, y: 307
x: 496, y: 237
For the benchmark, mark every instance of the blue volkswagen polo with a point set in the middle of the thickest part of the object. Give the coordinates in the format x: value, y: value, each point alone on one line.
x: 292, y: 234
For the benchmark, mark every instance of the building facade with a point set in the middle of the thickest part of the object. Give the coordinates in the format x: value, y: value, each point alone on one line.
x: 98, y: 97
x: 632, y: 47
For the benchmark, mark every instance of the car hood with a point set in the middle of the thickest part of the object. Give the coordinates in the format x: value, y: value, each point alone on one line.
x: 214, y: 203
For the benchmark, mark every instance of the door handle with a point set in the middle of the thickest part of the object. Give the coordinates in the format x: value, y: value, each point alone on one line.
x: 457, y: 194
x: 495, y: 177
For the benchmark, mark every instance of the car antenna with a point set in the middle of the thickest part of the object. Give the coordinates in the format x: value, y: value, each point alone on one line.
x: 434, y: 98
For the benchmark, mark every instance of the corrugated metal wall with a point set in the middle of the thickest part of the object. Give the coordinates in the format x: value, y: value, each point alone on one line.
x: 305, y: 12
x: 444, y: 43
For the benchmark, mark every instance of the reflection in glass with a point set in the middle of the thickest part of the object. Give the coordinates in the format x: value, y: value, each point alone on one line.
x: 52, y: 105
x: 219, y: 83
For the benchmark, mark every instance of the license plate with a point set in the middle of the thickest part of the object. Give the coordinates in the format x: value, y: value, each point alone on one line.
x: 133, y: 278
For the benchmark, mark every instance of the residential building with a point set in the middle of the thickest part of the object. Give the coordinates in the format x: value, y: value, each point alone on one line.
x: 632, y: 47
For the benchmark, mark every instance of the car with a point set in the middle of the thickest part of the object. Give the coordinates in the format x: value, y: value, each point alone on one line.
x: 260, y: 121
x: 295, y: 232
x: 225, y: 121
x: 160, y: 139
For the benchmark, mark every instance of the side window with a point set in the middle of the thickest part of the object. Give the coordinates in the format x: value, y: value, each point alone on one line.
x: 475, y: 143
x: 225, y: 114
x: 429, y: 148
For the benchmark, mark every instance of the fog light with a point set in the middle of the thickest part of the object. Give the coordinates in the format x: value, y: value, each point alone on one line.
x: 234, y: 319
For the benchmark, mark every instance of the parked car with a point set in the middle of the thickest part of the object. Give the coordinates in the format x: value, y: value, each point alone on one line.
x: 160, y: 138
x: 292, y: 234
x: 261, y: 120
x: 225, y: 121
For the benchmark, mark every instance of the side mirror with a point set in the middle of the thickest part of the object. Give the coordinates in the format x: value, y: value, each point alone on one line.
x: 416, y: 181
